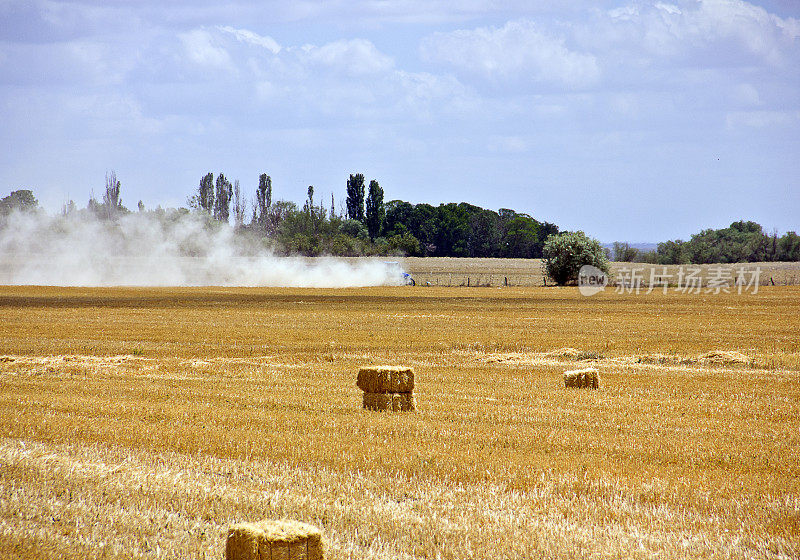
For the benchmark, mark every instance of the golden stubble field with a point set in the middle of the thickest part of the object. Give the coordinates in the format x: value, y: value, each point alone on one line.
x: 140, y: 423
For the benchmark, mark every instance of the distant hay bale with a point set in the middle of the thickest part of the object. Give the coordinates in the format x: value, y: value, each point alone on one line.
x: 656, y: 359
x: 725, y: 357
x: 396, y: 402
x: 571, y: 353
x: 582, y: 378
x: 274, y: 540
x: 386, y: 379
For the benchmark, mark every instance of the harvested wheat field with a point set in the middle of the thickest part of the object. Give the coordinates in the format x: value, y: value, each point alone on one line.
x: 144, y: 423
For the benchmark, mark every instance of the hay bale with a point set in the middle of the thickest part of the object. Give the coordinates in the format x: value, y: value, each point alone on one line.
x: 274, y: 540
x: 386, y: 379
x: 377, y: 401
x: 571, y: 378
x: 396, y: 402
x: 725, y: 357
x: 582, y: 378
x: 656, y: 359
x: 403, y: 402
x: 571, y: 353
x: 593, y: 380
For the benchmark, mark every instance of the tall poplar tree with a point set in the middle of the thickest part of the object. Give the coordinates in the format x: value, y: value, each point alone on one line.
x: 376, y: 212
x: 355, y: 197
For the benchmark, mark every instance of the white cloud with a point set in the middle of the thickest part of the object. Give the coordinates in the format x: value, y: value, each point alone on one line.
x: 355, y: 57
x: 252, y: 38
x: 202, y: 48
x: 708, y: 32
x: 517, y: 52
x: 669, y: 8
x: 348, y: 79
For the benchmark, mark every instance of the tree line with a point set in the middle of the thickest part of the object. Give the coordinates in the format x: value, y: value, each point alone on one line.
x: 367, y: 225
x: 742, y: 241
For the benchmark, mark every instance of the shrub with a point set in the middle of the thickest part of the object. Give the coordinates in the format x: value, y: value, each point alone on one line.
x: 355, y: 229
x: 565, y: 254
x: 405, y: 244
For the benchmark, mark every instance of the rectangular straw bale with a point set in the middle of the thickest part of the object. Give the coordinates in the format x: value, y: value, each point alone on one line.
x: 582, y: 378
x: 274, y: 540
x: 403, y: 402
x: 571, y: 379
x: 397, y: 402
x: 377, y: 401
x: 386, y: 379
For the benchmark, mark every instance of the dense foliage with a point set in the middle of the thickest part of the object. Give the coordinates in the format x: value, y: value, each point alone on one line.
x: 21, y: 200
x: 372, y: 227
x: 565, y: 254
x: 740, y: 242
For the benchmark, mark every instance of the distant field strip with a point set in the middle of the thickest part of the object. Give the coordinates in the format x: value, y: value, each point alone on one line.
x: 528, y: 272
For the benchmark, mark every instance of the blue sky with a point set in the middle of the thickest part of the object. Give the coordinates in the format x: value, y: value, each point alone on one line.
x: 631, y: 120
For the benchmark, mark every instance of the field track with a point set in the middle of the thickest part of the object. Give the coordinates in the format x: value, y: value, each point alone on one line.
x: 139, y: 423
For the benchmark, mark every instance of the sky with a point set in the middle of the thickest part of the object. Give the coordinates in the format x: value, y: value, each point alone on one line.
x: 633, y: 120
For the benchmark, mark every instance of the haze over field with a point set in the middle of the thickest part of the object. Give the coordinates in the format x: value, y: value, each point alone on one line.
x: 639, y: 121
x: 143, y: 250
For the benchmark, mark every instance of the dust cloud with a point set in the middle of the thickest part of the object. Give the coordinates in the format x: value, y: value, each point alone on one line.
x: 163, y: 249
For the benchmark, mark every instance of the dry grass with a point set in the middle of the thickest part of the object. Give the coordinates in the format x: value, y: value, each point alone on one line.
x: 143, y: 423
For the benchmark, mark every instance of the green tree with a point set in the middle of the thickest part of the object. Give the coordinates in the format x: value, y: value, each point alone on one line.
x: 404, y: 244
x: 672, y: 252
x: 484, y: 234
x: 399, y: 216
x: 311, y: 213
x: 565, y: 254
x: 21, y: 200
x: 239, y: 205
x: 451, y: 230
x: 623, y: 252
x: 546, y: 229
x: 263, y: 201
x: 222, y: 202
x: 355, y: 197
x: 355, y: 229
x: 740, y: 242
x: 205, y: 193
x: 789, y: 247
x: 376, y: 212
x: 279, y: 211
x: 422, y: 225
x: 521, y: 239
x: 111, y: 198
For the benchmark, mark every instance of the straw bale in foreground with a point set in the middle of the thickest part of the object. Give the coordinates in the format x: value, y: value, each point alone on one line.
x: 386, y: 379
x: 582, y: 378
x: 274, y: 540
x: 397, y: 402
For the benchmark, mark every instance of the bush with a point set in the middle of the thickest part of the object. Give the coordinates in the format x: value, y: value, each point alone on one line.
x: 405, y: 245
x: 354, y: 229
x: 565, y: 254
